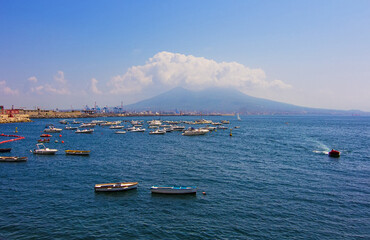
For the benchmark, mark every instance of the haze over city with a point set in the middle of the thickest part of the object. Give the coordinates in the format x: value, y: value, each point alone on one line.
x: 63, y: 54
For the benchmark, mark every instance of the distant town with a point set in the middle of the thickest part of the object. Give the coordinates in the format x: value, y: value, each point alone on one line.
x: 13, y: 115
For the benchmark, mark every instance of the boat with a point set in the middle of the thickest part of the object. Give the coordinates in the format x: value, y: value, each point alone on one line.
x: 238, y: 117
x: 158, y: 132
x: 84, y: 131
x: 44, y: 140
x: 76, y: 122
x: 13, y: 159
x: 137, y: 130
x: 178, y: 128
x: 221, y: 127
x: 87, y: 125
x: 70, y: 128
x: 45, y: 135
x: 194, y: 132
x: 5, y: 149
x: 51, y: 129
x: 116, y: 127
x: 115, y: 187
x: 65, y: 122
x: 120, y: 132
x: 42, y: 150
x: 225, y: 122
x: 77, y: 152
x: 334, y: 153
x: 174, y: 189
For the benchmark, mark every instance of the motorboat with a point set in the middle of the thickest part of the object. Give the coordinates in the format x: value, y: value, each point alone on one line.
x: 45, y: 135
x: 42, y: 150
x: 116, y: 127
x: 77, y: 152
x: 155, y: 123
x: 174, y: 189
x: 87, y: 125
x: 194, y: 132
x: 178, y: 128
x: 13, y: 159
x: 5, y: 149
x: 225, y: 122
x: 158, y: 132
x: 70, y: 128
x: 46, y: 140
x: 334, y: 153
x: 115, y: 187
x: 63, y: 122
x: 222, y: 127
x: 120, y: 132
x: 84, y: 131
x: 138, y: 130
x: 52, y: 129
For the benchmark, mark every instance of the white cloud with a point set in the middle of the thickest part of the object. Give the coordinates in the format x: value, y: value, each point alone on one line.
x: 7, y: 90
x: 94, y: 87
x: 32, y: 79
x: 59, y: 87
x: 174, y: 69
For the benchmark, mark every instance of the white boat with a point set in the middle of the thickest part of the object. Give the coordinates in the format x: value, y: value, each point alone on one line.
x: 13, y: 159
x: 174, y: 189
x: 115, y: 187
x: 70, y: 128
x: 120, y: 132
x: 158, y: 132
x: 137, y: 130
x: 155, y: 123
x: 116, y: 127
x: 51, y: 129
x: 178, y: 128
x: 42, y: 150
x: 194, y: 132
x: 63, y: 122
x: 238, y: 117
x: 84, y: 131
x: 221, y: 127
x: 87, y: 125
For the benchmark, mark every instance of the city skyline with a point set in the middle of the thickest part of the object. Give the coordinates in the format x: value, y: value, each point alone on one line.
x: 63, y: 53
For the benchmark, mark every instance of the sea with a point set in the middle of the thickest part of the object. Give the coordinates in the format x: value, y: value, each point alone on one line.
x: 272, y: 179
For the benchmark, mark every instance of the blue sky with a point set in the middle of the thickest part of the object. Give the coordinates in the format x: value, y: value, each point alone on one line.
x: 58, y: 54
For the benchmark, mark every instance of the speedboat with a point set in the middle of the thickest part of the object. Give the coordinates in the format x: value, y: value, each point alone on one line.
x: 51, y: 129
x: 13, y: 159
x: 42, y: 150
x: 115, y: 187
x: 84, y: 131
x: 174, y: 189
x: 334, y: 153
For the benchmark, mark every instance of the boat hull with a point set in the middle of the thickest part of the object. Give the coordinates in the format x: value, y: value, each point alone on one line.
x: 13, y: 159
x: 173, y: 190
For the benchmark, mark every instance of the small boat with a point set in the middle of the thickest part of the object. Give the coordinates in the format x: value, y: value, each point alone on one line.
x: 120, y: 132
x: 46, y: 140
x: 334, y: 153
x: 178, y: 128
x: 225, y: 122
x: 194, y: 132
x: 157, y: 132
x: 52, y: 129
x: 5, y: 149
x: 138, y: 130
x: 70, y: 128
x: 116, y: 127
x: 76, y: 122
x: 222, y: 127
x: 87, y: 125
x: 115, y: 187
x: 238, y: 117
x: 13, y: 159
x: 84, y: 131
x: 77, y: 152
x: 45, y: 135
x: 42, y: 150
x: 65, y: 122
x: 237, y: 127
x: 174, y: 189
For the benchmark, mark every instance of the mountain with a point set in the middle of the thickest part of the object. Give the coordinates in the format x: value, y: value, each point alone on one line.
x: 222, y: 100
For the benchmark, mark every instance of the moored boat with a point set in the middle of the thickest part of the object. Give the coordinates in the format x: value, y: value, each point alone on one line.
x: 42, y: 150
x: 13, y: 159
x: 51, y: 129
x: 45, y: 135
x: 334, y: 153
x: 84, y: 131
x: 194, y: 132
x: 120, y: 132
x: 157, y: 132
x: 174, y: 189
x: 70, y: 128
x: 5, y: 149
x: 115, y: 187
x: 77, y: 152
x: 46, y: 140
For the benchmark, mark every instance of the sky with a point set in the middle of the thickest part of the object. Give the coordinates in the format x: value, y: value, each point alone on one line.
x: 68, y: 54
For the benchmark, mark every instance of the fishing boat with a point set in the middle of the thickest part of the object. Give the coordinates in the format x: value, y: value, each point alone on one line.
x: 52, y: 129
x: 120, y: 132
x: 84, y: 131
x: 334, y: 153
x: 13, y: 159
x: 5, y: 149
x: 45, y: 135
x: 77, y: 152
x: 174, y: 189
x: 115, y: 187
x: 42, y: 150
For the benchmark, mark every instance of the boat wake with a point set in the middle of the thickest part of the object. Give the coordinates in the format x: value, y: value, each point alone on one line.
x: 321, y: 152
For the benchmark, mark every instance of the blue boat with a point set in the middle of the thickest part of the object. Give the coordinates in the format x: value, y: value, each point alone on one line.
x: 174, y: 189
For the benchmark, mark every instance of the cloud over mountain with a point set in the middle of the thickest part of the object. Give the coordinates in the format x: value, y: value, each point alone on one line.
x: 175, y: 69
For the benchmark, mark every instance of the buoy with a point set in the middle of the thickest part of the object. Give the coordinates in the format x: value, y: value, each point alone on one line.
x: 231, y: 134
x: 60, y: 135
x: 16, y: 129
x: 62, y: 141
x: 204, y: 193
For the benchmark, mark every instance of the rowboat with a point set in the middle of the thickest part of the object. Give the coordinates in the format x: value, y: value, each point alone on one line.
x: 174, y: 189
x: 5, y: 149
x: 77, y: 152
x: 42, y: 150
x: 13, y: 159
x: 115, y: 187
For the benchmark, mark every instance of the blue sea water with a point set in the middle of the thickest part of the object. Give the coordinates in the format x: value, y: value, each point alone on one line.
x: 271, y: 180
